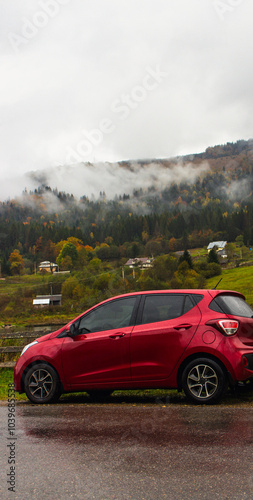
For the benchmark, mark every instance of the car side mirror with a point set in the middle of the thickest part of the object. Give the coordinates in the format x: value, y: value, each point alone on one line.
x: 72, y: 330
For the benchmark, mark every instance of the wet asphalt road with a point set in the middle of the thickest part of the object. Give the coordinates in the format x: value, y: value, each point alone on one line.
x: 129, y: 452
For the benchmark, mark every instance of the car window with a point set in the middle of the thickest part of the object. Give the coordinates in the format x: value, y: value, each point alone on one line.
x: 231, y: 304
x: 111, y: 315
x: 188, y: 305
x: 162, y: 307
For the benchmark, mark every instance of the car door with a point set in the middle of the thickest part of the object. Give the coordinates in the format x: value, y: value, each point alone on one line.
x: 166, y: 325
x: 99, y: 351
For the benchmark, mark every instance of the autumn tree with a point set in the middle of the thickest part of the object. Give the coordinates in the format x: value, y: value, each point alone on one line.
x: 72, y: 289
x: 68, y: 250
x: 16, y: 262
x: 185, y: 277
x: 172, y: 244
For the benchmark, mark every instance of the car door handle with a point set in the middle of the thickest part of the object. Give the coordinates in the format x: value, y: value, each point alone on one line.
x: 185, y: 326
x: 117, y: 336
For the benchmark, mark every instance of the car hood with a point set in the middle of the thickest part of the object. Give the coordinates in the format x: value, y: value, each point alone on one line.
x: 51, y: 335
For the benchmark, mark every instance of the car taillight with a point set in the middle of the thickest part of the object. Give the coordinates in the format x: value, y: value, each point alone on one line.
x: 229, y: 326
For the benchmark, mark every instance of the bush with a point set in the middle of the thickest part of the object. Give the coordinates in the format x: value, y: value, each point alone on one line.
x: 102, y: 282
x: 69, y: 287
x: 95, y: 265
x: 213, y: 269
x: 208, y: 270
x: 147, y: 283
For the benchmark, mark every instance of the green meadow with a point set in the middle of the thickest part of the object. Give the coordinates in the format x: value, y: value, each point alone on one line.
x: 238, y: 278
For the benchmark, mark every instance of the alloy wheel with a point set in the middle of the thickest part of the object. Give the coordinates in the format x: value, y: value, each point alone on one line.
x: 40, y: 383
x: 202, y: 381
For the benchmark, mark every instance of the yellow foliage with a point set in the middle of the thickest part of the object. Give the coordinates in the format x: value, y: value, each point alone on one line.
x: 144, y: 236
x: 75, y: 241
x: 172, y: 244
x: 88, y: 248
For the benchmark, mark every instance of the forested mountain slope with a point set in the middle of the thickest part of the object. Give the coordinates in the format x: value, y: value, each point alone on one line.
x: 172, y: 203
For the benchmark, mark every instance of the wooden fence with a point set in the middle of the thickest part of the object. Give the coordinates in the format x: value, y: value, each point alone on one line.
x: 26, y: 338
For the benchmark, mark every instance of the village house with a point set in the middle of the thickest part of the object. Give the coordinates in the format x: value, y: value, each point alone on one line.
x: 219, y: 247
x: 47, y: 300
x: 48, y: 267
x: 141, y: 262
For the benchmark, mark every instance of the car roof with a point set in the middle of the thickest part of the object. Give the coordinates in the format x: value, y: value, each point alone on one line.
x: 191, y: 291
x: 198, y: 291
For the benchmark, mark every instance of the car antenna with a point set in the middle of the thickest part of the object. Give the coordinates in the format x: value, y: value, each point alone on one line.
x: 217, y: 284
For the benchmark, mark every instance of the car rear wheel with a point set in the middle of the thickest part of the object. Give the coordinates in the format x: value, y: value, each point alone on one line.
x: 204, y: 381
x: 42, y: 384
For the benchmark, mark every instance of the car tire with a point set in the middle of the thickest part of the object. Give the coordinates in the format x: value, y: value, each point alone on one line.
x: 99, y: 395
x: 204, y: 381
x: 42, y: 384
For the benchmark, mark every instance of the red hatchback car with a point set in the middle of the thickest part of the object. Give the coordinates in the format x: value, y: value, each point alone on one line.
x: 196, y: 340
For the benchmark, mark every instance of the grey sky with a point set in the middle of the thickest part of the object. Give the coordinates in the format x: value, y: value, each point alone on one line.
x: 106, y: 80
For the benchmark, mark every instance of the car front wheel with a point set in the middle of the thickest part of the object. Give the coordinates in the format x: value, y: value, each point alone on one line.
x: 42, y: 384
x: 204, y: 381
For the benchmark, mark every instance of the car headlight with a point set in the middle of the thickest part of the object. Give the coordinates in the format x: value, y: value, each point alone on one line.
x: 28, y: 345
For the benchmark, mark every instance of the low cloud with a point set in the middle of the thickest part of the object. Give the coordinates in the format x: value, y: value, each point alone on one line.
x: 239, y: 190
x: 115, y: 179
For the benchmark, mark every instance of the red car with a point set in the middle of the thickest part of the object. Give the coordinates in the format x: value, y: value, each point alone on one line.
x: 196, y: 340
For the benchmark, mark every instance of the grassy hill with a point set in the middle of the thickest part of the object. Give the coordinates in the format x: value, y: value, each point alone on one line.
x: 17, y: 292
x: 239, y: 279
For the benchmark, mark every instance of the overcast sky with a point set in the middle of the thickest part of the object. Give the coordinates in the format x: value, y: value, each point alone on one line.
x: 106, y: 80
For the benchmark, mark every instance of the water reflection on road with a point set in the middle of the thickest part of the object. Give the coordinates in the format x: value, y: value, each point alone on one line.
x: 132, y: 452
